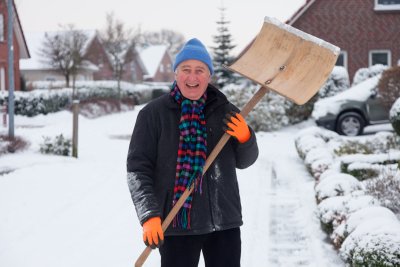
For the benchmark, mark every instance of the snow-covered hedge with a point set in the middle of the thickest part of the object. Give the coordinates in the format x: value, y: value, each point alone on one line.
x: 337, y: 82
x: 351, y: 211
x: 337, y: 184
x: 311, y: 147
x: 44, y: 100
x: 394, y: 116
x: 365, y: 166
x: 366, y: 73
x: 357, y: 218
x: 375, y: 242
x: 335, y: 210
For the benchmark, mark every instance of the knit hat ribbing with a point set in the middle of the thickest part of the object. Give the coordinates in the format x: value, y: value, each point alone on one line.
x: 194, y: 49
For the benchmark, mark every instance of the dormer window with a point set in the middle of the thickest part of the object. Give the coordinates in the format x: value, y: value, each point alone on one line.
x: 387, y: 5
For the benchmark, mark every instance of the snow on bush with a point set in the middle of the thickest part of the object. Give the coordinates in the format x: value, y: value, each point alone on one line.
x: 45, y: 100
x: 392, y: 157
x: 366, y: 73
x: 311, y: 145
x: 394, y: 116
x: 339, y: 184
x: 334, y: 210
x: 337, y: 82
x: 375, y: 242
x: 357, y: 218
x: 268, y: 115
x: 381, y: 142
x: 386, y: 188
x: 59, y: 145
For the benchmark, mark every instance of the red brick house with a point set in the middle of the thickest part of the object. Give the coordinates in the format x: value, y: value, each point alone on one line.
x: 96, y: 54
x: 158, y: 63
x: 134, y: 69
x: 367, y: 31
x: 19, y: 44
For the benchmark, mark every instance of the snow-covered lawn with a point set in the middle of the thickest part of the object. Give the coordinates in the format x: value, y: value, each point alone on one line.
x: 61, y: 211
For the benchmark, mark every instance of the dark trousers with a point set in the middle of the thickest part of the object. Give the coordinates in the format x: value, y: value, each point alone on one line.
x: 220, y: 249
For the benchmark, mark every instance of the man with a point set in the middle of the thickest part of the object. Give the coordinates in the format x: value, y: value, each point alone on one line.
x: 172, y: 137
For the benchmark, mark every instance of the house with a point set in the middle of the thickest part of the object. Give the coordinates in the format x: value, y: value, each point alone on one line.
x: 367, y: 31
x: 134, y: 69
x: 20, y: 48
x: 95, y: 53
x: 158, y: 64
x: 35, y: 69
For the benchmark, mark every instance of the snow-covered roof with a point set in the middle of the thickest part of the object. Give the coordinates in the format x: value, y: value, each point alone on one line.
x: 300, y: 12
x: 151, y: 58
x: 35, y: 42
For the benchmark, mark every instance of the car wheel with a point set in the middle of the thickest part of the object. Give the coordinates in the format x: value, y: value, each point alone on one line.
x: 350, y: 124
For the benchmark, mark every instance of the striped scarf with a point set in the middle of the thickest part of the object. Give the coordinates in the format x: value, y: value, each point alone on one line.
x: 191, y: 152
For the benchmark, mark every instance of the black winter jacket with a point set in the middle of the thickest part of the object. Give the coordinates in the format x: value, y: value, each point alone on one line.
x: 152, y: 159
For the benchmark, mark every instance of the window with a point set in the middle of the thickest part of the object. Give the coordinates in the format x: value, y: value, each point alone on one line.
x: 387, y: 4
x: 342, y: 59
x: 383, y: 57
x: 1, y: 28
x: 161, y: 68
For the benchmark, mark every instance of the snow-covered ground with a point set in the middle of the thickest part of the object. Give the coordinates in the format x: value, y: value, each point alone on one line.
x: 62, y: 211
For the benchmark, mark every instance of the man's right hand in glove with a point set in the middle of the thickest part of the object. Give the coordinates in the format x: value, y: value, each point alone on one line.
x: 153, y: 235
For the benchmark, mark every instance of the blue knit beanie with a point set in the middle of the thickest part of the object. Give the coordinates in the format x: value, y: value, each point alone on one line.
x: 194, y: 49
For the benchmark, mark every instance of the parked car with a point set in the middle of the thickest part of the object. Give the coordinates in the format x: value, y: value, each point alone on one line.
x: 348, y: 112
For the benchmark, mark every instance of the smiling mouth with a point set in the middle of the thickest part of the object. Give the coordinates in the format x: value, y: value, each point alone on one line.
x: 193, y: 85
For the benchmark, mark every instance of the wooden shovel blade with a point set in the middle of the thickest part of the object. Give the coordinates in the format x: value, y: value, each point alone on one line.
x: 288, y: 61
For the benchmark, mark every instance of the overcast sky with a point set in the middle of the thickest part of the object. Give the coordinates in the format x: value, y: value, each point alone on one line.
x: 191, y: 18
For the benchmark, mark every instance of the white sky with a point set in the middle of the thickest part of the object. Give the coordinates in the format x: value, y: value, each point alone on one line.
x: 191, y: 18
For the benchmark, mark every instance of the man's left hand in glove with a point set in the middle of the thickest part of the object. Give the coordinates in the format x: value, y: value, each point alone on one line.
x: 237, y: 127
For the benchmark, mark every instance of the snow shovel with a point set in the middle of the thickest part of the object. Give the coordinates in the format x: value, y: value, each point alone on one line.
x: 283, y: 59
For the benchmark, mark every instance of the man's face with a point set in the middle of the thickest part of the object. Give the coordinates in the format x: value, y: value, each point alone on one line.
x: 192, y: 77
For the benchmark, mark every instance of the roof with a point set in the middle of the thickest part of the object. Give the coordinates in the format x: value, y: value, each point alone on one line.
x: 19, y: 34
x: 35, y: 42
x: 151, y: 58
x: 300, y: 12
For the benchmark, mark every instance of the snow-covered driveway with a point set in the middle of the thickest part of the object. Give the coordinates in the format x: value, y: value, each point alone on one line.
x: 284, y: 226
x: 58, y: 211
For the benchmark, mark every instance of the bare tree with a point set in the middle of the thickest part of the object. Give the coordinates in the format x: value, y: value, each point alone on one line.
x: 63, y: 50
x: 174, y: 40
x: 117, y: 40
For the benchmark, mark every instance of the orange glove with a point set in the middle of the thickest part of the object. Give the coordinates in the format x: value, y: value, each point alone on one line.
x: 153, y: 235
x: 237, y: 127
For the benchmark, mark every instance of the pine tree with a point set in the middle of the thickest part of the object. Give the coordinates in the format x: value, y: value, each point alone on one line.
x: 222, y: 52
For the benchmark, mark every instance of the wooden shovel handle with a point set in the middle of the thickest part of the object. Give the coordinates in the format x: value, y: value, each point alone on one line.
x: 221, y: 143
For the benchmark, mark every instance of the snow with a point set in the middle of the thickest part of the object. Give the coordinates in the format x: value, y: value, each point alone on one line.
x: 331, y: 105
x: 339, y: 184
x: 365, y: 214
x: 308, y: 37
x: 151, y: 57
x: 395, y: 110
x: 61, y: 211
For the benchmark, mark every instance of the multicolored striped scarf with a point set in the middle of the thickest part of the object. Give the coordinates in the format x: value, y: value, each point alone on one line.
x: 192, y: 152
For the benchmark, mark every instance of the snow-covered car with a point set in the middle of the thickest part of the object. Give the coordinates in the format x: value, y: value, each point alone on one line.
x: 348, y: 112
